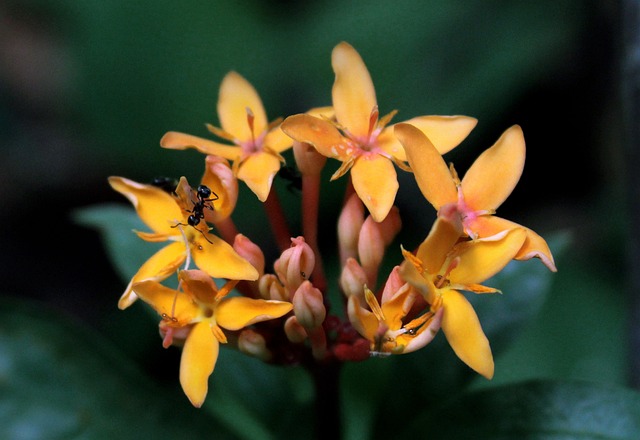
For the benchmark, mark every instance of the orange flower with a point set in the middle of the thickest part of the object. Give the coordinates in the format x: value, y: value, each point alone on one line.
x: 205, y: 311
x: 168, y: 217
x: 361, y: 140
x: 257, y: 144
x: 487, y: 184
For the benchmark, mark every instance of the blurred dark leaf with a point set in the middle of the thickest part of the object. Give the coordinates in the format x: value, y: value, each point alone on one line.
x: 535, y: 410
x: 59, y: 380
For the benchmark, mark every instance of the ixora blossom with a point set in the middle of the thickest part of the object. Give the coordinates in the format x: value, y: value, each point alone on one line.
x: 167, y: 215
x: 257, y: 143
x: 361, y: 140
x: 203, y: 311
x: 485, y: 186
x: 443, y: 266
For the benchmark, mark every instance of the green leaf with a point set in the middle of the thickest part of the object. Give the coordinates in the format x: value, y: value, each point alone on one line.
x: 536, y: 410
x: 60, y: 380
x: 116, y: 224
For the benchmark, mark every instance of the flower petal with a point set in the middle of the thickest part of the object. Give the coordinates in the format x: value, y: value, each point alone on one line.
x: 534, y: 245
x: 424, y: 336
x: 430, y: 170
x: 238, y: 312
x: 444, y: 132
x: 362, y: 319
x: 354, y: 96
x: 155, y: 207
x: 495, y: 173
x: 462, y: 329
x: 160, y: 266
x: 174, y: 140
x: 216, y: 257
x: 323, y: 135
x: 482, y: 258
x: 219, y: 177
x: 257, y: 172
x: 168, y: 303
x: 236, y: 96
x: 375, y: 181
x: 199, y: 286
x: 397, y: 307
x: 434, y: 249
x: 199, y: 356
x: 277, y: 140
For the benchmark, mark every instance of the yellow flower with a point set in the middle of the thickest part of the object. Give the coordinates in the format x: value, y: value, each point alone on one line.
x: 485, y: 186
x: 361, y: 140
x: 206, y: 311
x: 257, y: 144
x: 383, y: 326
x: 442, y: 267
x: 168, y: 217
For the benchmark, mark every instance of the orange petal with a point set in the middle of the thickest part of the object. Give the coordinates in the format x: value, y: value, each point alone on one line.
x: 276, y: 140
x: 424, y: 336
x: 323, y: 135
x: 430, y: 170
x: 434, y: 249
x: 461, y: 326
x: 534, y: 245
x: 397, y: 307
x: 257, y: 171
x: 362, y: 319
x: 155, y: 207
x: 216, y: 257
x: 159, y: 267
x: 482, y: 258
x: 495, y: 173
x: 169, y: 303
x: 423, y: 283
x: 236, y: 96
x: 199, y: 356
x: 354, y: 96
x: 174, y: 140
x: 375, y: 181
x: 199, y: 286
x: 219, y: 177
x: 238, y: 312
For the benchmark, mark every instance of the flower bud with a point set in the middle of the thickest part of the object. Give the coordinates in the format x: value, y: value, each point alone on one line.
x: 393, y: 284
x: 295, y: 264
x: 308, y: 306
x: 349, y: 225
x: 250, y: 252
x: 308, y: 160
x: 353, y: 279
x: 373, y: 240
x: 294, y: 331
x: 253, y: 344
x: 220, y: 179
x: 271, y: 288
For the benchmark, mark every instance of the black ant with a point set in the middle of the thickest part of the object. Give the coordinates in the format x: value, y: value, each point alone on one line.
x: 167, y: 184
x: 203, y: 194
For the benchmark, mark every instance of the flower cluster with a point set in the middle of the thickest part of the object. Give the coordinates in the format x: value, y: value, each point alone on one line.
x: 283, y: 315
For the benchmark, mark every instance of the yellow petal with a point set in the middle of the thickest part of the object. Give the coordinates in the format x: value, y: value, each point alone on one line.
x: 397, y: 307
x: 216, y: 257
x: 534, y: 245
x: 495, y: 173
x: 424, y: 336
x: 169, y: 303
x: 375, y: 181
x: 323, y: 135
x: 444, y: 132
x: 198, y: 360
x: 482, y: 258
x: 354, y: 96
x: 199, y: 286
x: 434, y: 249
x: 236, y: 96
x: 238, y: 312
x: 461, y: 326
x: 422, y: 284
x: 277, y: 140
x: 219, y: 177
x: 155, y: 207
x: 159, y: 267
x: 362, y: 319
x: 257, y: 171
x: 174, y: 140
x: 430, y: 170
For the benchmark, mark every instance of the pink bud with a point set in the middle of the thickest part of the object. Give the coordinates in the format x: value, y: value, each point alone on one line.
x: 253, y: 344
x: 373, y: 240
x: 349, y: 225
x: 352, y: 279
x: 294, y: 331
x: 308, y: 160
x: 393, y: 284
x: 295, y: 264
x: 271, y: 288
x: 250, y: 252
x: 308, y: 306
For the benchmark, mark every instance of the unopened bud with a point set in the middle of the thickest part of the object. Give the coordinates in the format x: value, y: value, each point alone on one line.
x: 295, y: 264
x: 253, y: 344
x: 349, y: 225
x: 271, y: 288
x: 308, y: 306
x: 353, y: 278
x: 250, y: 252
x: 308, y: 160
x: 393, y: 284
x: 294, y: 331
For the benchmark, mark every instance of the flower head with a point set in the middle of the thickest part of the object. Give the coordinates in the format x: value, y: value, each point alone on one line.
x: 443, y: 266
x: 361, y: 139
x: 256, y: 143
x: 205, y: 311
x: 485, y: 186
x: 167, y: 215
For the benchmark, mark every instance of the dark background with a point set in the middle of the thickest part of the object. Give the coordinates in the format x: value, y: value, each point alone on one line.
x: 88, y: 88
